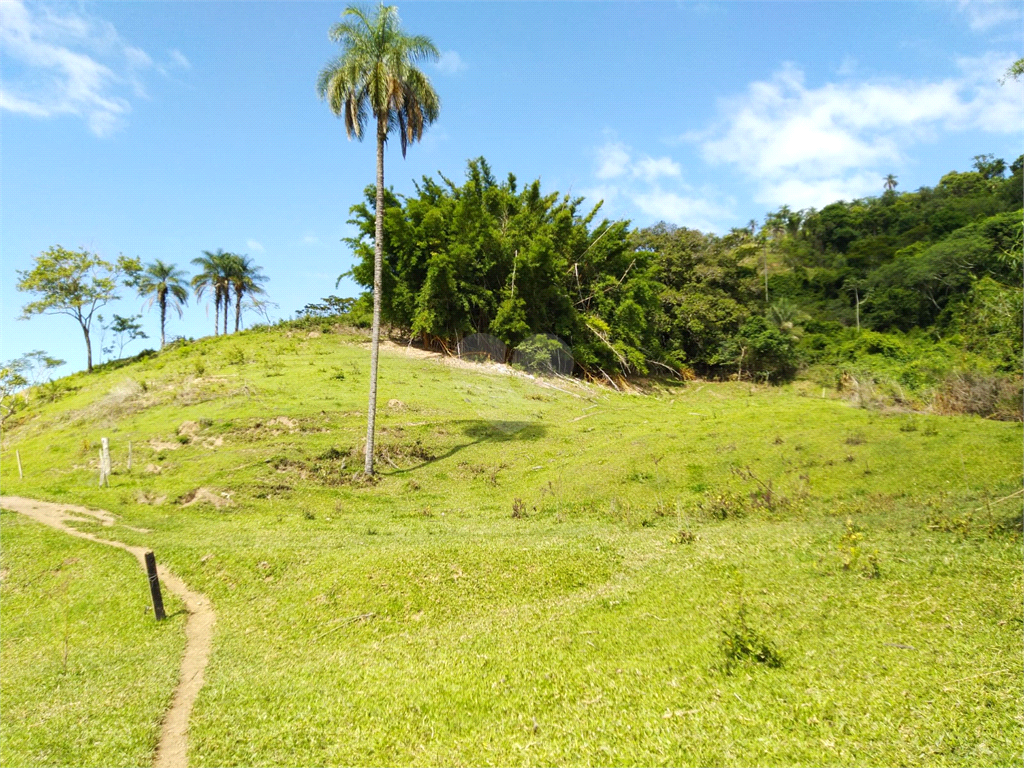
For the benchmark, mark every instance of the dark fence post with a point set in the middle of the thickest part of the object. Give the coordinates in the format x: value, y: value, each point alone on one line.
x: 154, y: 586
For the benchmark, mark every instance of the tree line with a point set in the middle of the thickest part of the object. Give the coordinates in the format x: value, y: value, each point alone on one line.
x: 487, y: 257
x: 78, y: 283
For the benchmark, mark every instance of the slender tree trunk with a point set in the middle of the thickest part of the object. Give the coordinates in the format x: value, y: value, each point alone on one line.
x: 227, y: 304
x: 378, y: 262
x: 766, y: 273
x: 88, y: 347
x: 238, y: 309
x: 857, y: 294
x: 163, y: 318
x: 216, y: 313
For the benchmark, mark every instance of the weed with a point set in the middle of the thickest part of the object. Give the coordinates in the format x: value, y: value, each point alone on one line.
x: 518, y: 509
x: 184, y: 439
x: 723, y: 506
x: 743, y: 642
x: 908, y: 426
x: 684, y: 537
x: 199, y: 367
x: 235, y: 356
x: 307, y: 514
x: 857, y: 438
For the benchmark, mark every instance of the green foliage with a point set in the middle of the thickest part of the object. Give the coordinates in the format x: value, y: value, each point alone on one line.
x: 742, y: 641
x: 487, y: 257
x: 74, y: 283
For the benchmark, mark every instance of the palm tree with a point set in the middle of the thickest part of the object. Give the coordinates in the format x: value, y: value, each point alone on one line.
x: 246, y: 278
x: 214, y: 276
x: 890, y: 183
x: 166, y: 285
x: 376, y: 73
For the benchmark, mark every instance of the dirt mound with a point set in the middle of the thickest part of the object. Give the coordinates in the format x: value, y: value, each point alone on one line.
x: 205, y: 495
x: 189, y: 428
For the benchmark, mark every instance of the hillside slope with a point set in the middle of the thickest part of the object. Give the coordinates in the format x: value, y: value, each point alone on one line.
x: 547, y: 572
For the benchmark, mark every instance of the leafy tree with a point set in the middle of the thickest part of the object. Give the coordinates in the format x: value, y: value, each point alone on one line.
x: 165, y: 285
x: 73, y: 283
x: 125, y: 331
x: 246, y: 279
x: 376, y: 73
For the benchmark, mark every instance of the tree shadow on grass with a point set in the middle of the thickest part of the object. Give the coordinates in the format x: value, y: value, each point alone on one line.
x: 482, y: 431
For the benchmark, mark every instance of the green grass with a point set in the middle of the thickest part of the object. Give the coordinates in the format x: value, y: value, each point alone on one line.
x: 87, y: 671
x: 415, y: 621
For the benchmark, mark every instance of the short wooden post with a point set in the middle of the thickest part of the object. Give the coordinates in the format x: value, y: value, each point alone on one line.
x: 103, y: 476
x: 129, y: 455
x: 105, y: 453
x: 20, y: 475
x: 154, y: 586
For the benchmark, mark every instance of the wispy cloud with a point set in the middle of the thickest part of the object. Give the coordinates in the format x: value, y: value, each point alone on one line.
x: 983, y: 15
x: 450, y: 63
x: 629, y: 182
x: 59, y: 62
x: 310, y: 240
x: 810, y: 146
x: 255, y: 245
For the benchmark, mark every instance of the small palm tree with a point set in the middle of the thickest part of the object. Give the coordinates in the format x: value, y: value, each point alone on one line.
x: 214, y: 276
x: 165, y: 285
x: 376, y: 74
x: 246, y: 278
x: 890, y: 183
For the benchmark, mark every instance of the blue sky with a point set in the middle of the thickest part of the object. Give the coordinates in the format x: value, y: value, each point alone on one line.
x: 160, y: 129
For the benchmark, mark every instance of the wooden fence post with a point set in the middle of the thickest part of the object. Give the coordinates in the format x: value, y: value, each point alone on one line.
x: 154, y: 586
x: 105, y: 460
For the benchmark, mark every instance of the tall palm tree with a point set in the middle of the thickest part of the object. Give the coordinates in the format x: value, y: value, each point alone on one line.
x: 246, y: 279
x: 214, y: 275
x: 890, y: 182
x: 166, y: 285
x: 376, y: 74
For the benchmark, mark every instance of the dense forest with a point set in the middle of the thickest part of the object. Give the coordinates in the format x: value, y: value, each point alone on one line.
x: 911, y: 294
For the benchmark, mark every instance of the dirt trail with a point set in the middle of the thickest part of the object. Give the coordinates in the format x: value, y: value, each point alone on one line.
x: 172, y: 749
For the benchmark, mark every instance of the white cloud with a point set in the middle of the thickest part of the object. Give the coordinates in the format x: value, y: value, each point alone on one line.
x: 833, y: 138
x: 450, y: 63
x: 983, y: 15
x: 632, y: 182
x: 68, y: 64
x: 310, y: 240
x: 684, y: 210
x: 613, y: 160
x: 254, y: 245
x: 178, y: 58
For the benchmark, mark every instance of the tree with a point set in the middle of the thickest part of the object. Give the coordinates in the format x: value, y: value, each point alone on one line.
x: 890, y: 183
x: 165, y: 285
x: 1014, y: 71
x: 376, y: 73
x: 125, y: 330
x: 73, y: 283
x: 246, y: 278
x: 214, y: 276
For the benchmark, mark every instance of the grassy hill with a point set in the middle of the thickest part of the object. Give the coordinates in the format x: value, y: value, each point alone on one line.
x: 544, y: 571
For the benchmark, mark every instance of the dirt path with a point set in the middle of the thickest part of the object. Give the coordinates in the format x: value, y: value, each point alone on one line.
x: 172, y: 749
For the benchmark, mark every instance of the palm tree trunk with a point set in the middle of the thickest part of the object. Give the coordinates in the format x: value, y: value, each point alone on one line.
x: 227, y: 303
x: 378, y: 261
x: 216, y: 313
x: 163, y: 318
x: 238, y: 309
